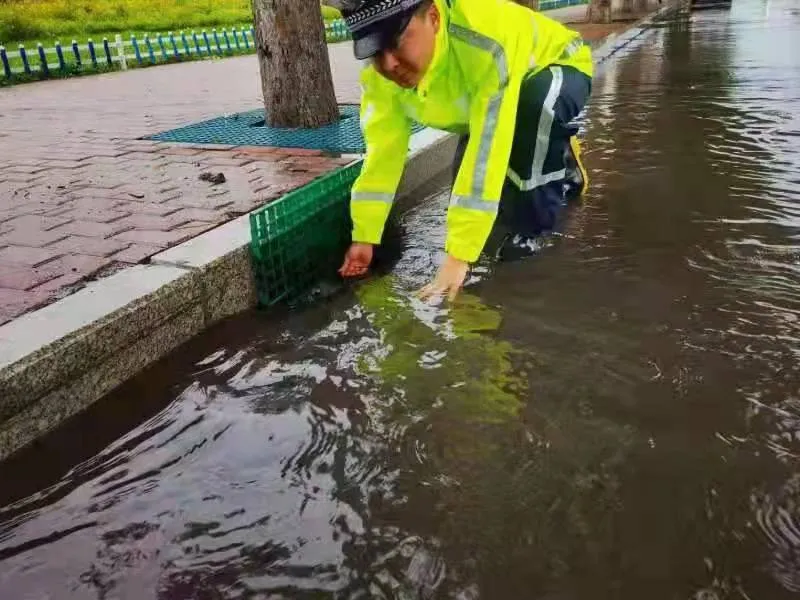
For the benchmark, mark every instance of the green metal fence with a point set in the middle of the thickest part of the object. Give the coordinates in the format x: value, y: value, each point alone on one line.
x: 25, y: 64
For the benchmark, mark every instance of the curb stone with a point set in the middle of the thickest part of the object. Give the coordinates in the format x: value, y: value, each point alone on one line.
x: 617, y: 41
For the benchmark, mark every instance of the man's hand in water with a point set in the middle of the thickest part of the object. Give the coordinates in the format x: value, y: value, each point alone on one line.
x: 448, y: 280
x: 357, y: 260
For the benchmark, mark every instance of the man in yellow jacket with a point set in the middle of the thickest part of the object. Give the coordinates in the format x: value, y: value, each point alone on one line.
x: 508, y: 80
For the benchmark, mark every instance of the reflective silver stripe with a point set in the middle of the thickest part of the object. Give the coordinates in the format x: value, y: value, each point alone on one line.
x: 543, y: 140
x: 495, y: 102
x: 478, y: 40
x: 572, y: 48
x: 485, y: 147
x: 526, y: 185
x: 474, y: 203
x: 372, y: 197
x: 532, y: 63
x: 543, y: 136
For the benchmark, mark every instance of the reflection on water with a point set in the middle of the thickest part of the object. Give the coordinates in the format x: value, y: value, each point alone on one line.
x: 618, y: 417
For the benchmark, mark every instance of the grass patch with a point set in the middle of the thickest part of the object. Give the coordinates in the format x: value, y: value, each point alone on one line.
x: 32, y: 21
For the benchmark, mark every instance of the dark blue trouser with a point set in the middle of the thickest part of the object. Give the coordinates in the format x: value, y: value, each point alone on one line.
x: 534, y: 191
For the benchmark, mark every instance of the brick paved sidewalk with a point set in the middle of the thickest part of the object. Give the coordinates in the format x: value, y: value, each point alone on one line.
x: 81, y: 195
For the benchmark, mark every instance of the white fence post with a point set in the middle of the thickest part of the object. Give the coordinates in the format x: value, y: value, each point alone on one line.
x: 123, y: 61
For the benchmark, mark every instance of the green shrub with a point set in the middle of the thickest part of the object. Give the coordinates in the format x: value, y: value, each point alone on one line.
x: 19, y: 26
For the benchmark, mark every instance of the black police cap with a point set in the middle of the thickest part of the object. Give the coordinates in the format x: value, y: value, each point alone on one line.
x: 376, y: 24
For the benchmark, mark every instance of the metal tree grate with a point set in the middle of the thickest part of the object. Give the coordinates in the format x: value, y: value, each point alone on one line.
x: 301, y: 237
x: 248, y: 129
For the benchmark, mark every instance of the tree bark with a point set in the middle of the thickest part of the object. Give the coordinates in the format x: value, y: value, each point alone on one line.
x: 598, y: 11
x: 293, y: 59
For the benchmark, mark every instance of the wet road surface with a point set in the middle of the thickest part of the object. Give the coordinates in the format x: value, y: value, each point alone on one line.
x: 616, y: 418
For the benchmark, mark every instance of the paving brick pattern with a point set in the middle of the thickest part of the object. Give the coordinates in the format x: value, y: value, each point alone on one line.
x: 82, y: 195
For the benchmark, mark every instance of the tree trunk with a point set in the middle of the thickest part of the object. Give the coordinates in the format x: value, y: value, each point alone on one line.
x: 293, y: 60
x: 598, y: 11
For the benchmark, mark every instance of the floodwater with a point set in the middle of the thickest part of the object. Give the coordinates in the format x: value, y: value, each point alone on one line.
x: 617, y: 417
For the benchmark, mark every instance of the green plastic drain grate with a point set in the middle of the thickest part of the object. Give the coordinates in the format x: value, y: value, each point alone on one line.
x: 248, y: 129
x: 299, y: 238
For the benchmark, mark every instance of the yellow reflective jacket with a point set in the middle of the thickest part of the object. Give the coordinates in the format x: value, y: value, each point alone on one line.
x: 484, y: 50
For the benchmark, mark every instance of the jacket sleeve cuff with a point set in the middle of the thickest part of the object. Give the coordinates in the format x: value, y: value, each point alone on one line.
x: 364, y: 235
x: 369, y: 220
x: 466, y: 252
